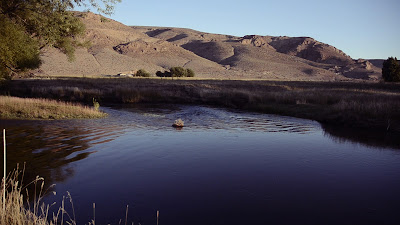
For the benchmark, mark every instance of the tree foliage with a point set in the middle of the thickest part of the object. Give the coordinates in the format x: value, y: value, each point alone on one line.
x: 163, y: 74
x: 391, y: 70
x: 176, y: 72
x: 18, y: 51
x: 181, y: 72
x: 189, y: 73
x: 104, y: 7
x: 28, y: 26
x: 142, y: 73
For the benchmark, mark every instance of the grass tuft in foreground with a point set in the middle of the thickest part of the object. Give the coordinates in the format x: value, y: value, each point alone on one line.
x: 14, y: 210
x: 28, y: 108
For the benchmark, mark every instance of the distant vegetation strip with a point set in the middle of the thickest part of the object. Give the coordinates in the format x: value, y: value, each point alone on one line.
x: 355, y: 104
x: 28, y: 108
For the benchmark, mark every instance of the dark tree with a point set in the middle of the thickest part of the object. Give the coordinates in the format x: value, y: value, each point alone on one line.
x: 18, y: 51
x: 178, y: 72
x: 160, y: 74
x: 189, y: 73
x: 27, y: 26
x: 142, y: 73
x: 167, y: 74
x: 391, y: 70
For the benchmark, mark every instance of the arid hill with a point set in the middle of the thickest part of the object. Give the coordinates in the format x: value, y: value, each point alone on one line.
x: 119, y: 48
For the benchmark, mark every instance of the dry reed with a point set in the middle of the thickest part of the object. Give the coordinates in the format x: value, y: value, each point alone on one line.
x: 16, y: 212
x: 4, y: 170
x: 356, y: 104
x: 28, y: 108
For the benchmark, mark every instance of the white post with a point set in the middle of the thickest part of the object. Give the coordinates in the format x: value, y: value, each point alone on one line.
x: 158, y: 216
x: 4, y: 175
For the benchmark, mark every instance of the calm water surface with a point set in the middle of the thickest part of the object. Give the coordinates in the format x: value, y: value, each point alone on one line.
x: 224, y: 167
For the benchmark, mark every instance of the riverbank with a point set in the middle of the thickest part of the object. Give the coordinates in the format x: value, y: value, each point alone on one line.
x: 351, y: 104
x: 28, y: 108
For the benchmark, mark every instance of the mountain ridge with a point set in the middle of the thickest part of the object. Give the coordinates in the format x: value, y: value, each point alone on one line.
x: 118, y: 48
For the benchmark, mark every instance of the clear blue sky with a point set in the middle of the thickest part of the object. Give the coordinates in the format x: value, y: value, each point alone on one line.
x: 361, y: 28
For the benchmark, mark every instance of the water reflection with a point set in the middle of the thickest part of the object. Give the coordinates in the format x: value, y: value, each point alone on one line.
x: 47, y: 148
x: 224, y: 166
x: 364, y: 137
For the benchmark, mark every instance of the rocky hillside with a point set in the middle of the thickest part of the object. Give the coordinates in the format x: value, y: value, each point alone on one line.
x: 119, y: 48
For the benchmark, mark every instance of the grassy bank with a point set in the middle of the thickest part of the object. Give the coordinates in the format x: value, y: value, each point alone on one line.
x: 27, y: 108
x: 365, y: 105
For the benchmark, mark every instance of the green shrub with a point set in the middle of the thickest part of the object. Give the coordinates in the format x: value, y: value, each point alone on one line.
x: 178, y: 71
x: 142, y: 73
x: 189, y: 73
x: 160, y: 74
x: 391, y: 70
x: 18, y: 51
x: 96, y: 105
x: 104, y: 20
x: 181, y: 72
x: 165, y: 74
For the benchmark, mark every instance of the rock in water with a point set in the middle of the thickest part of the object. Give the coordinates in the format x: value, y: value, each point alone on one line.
x: 178, y: 123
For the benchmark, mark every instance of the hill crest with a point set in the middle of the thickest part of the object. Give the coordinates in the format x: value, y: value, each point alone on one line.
x: 117, y: 48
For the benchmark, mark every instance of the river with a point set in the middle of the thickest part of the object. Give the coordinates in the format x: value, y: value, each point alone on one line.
x: 223, y: 167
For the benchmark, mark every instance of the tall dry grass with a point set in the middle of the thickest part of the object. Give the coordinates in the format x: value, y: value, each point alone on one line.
x: 356, y: 104
x: 28, y: 108
x: 17, y: 209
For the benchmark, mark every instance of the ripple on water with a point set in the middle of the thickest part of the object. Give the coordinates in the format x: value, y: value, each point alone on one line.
x: 242, y: 165
x: 204, y: 118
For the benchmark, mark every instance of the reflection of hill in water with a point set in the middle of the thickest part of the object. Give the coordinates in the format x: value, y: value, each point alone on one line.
x: 49, y: 147
x: 364, y: 137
